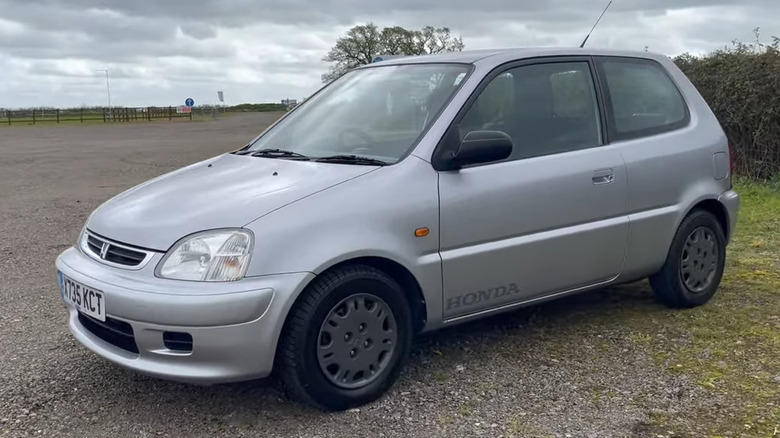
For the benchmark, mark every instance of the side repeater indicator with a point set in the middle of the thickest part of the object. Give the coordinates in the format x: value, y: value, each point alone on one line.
x: 421, y: 232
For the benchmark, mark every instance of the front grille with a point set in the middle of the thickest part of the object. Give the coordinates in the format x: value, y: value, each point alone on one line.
x: 114, y: 253
x: 94, y: 244
x: 115, y: 332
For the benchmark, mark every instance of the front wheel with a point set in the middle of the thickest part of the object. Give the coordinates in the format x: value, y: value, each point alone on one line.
x: 694, y: 266
x: 347, y: 338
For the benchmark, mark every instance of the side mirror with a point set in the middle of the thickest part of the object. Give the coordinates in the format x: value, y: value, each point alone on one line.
x: 482, y: 147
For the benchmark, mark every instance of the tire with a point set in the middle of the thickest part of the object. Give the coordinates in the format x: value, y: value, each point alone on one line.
x: 300, y: 363
x: 678, y: 287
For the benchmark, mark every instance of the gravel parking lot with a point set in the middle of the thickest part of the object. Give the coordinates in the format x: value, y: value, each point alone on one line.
x: 581, y: 367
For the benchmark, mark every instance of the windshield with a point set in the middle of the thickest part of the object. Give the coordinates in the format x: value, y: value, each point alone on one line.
x: 376, y: 113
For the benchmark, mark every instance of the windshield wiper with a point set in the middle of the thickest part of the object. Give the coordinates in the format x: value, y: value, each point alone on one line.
x: 278, y: 153
x: 352, y: 159
x: 243, y: 150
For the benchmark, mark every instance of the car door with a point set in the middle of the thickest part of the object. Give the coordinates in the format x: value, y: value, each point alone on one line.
x: 652, y: 125
x: 551, y: 217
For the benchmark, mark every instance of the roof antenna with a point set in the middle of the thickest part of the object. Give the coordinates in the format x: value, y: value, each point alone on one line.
x: 596, y: 24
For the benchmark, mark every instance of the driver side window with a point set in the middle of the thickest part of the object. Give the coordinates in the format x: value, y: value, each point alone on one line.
x: 545, y: 108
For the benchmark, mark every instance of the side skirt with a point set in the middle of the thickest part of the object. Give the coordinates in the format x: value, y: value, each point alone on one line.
x: 526, y: 303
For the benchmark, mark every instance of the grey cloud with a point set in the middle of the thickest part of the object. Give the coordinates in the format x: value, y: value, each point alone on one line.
x: 329, y: 12
x: 157, y: 20
x: 233, y: 13
x: 198, y: 31
x: 37, y: 44
x: 115, y: 52
x: 97, y: 24
x: 271, y: 49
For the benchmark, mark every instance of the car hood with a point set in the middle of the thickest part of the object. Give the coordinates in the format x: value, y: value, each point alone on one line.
x: 226, y: 191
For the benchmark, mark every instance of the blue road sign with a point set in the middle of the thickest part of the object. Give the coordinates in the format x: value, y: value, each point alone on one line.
x: 189, y: 102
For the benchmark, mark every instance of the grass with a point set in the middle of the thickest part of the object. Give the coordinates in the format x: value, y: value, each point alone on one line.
x: 729, y: 348
x: 254, y: 107
x: 733, y: 343
x: 91, y: 120
x: 97, y: 119
x: 69, y: 117
x: 726, y: 353
x: 28, y: 121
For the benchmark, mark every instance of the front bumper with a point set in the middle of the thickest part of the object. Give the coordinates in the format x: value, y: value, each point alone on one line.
x: 234, y: 325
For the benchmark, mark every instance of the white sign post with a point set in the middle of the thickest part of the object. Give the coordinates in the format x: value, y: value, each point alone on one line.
x: 221, y: 97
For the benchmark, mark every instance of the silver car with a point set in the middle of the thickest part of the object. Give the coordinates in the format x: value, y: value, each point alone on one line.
x: 408, y: 195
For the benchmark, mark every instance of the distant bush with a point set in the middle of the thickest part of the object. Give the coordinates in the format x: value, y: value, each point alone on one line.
x: 742, y: 85
x: 252, y: 107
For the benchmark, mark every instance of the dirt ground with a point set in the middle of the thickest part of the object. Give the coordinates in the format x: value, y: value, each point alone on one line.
x: 581, y: 367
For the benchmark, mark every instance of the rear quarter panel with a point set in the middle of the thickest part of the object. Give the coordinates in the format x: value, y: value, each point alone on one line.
x: 668, y: 174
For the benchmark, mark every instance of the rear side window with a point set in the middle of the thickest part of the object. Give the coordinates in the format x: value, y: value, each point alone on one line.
x: 642, y: 99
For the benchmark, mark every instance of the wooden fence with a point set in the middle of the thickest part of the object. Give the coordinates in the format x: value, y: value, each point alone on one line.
x: 91, y: 115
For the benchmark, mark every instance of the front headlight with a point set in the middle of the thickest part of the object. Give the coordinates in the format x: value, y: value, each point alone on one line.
x: 218, y: 255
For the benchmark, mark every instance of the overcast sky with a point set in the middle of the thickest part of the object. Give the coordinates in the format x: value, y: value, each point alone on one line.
x: 160, y: 52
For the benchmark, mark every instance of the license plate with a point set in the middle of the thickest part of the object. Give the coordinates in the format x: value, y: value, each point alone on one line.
x: 88, y: 300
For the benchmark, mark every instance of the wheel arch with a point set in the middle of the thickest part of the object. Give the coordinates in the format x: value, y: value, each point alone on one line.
x: 667, y: 283
x: 397, y: 271
x: 717, y: 209
x: 404, y: 277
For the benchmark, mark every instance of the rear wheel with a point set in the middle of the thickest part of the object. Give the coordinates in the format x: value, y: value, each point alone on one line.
x: 347, y: 339
x: 694, y: 266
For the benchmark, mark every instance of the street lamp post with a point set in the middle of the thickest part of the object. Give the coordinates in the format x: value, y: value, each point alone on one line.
x: 108, y: 89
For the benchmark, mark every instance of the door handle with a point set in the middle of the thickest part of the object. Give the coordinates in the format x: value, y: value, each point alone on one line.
x: 603, y: 176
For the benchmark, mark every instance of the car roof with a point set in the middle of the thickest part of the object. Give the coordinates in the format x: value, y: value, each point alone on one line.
x: 499, y: 56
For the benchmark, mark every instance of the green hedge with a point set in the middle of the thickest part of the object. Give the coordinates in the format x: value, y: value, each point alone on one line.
x: 741, y: 83
x: 261, y: 107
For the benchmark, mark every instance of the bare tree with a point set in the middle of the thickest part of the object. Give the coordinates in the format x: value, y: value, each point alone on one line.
x: 363, y: 43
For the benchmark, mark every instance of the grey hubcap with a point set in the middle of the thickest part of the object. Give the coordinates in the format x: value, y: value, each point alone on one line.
x: 699, y: 259
x: 356, y: 341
